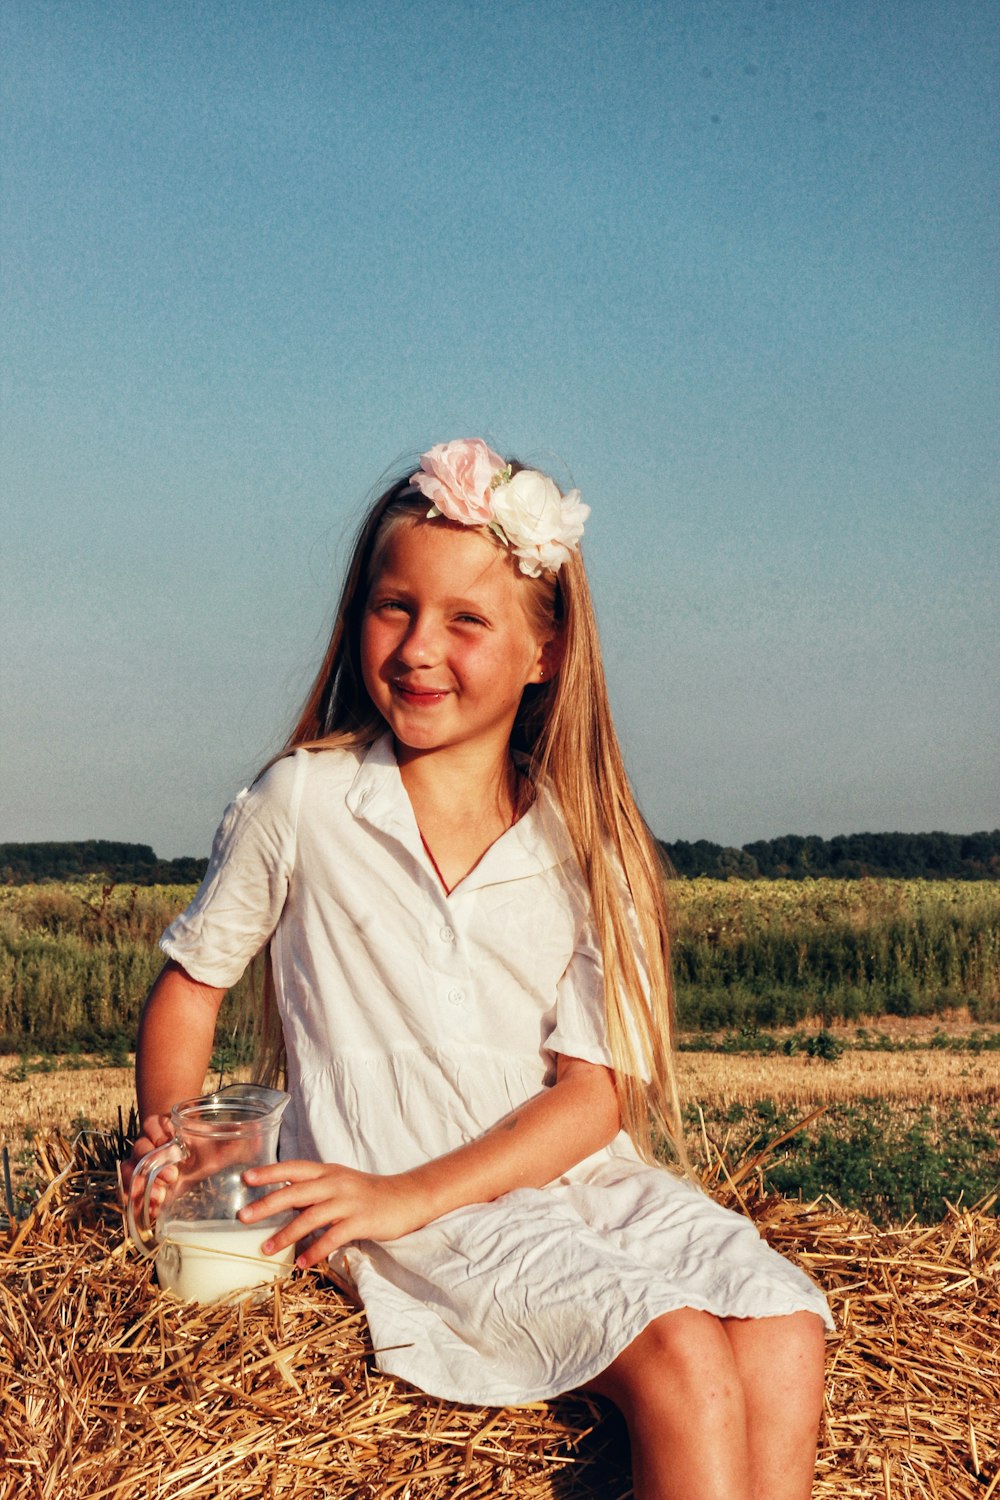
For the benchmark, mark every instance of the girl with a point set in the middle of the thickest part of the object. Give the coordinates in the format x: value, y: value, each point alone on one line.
x: 465, y: 921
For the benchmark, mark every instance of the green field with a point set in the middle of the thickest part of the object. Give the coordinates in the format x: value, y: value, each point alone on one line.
x: 77, y: 959
x: 778, y: 952
x: 750, y: 957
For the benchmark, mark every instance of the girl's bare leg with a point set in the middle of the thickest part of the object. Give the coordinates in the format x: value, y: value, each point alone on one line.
x: 780, y: 1365
x: 721, y: 1409
x: 678, y: 1387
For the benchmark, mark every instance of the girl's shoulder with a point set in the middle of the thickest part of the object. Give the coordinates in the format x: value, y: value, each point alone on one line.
x: 280, y: 788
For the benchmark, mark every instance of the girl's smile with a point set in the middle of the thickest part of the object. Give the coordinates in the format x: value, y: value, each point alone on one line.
x: 417, y: 695
x: 446, y: 646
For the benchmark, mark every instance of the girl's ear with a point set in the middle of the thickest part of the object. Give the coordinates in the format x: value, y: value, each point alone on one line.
x: 550, y: 655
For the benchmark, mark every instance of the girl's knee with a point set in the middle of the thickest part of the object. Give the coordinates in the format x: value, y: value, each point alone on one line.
x: 682, y: 1335
x: 793, y: 1333
x: 781, y: 1361
x: 684, y: 1350
x: 797, y: 1340
x: 805, y: 1354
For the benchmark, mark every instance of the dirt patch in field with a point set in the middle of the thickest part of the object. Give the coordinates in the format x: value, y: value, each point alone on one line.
x: 68, y: 1097
x: 916, y: 1031
x: 720, y: 1079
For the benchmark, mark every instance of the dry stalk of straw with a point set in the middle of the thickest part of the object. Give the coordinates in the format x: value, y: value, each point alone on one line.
x: 112, y: 1391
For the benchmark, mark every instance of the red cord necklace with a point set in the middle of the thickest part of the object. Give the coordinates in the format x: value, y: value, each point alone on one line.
x: 437, y: 868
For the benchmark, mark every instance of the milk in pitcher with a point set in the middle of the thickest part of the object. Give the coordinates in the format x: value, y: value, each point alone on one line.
x: 212, y: 1260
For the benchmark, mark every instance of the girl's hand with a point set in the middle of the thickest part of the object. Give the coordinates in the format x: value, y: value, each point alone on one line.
x: 350, y: 1205
x: 156, y: 1131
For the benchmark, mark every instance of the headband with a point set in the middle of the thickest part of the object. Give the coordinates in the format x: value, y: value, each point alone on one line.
x: 467, y: 482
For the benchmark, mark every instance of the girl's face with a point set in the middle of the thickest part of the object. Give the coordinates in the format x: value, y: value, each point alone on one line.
x: 446, y: 645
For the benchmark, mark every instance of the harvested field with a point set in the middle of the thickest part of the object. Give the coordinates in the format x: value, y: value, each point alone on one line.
x: 63, y: 1099
x: 111, y: 1391
x: 40, y: 1095
x: 43, y: 1102
x: 59, y: 1097
x: 717, y: 1080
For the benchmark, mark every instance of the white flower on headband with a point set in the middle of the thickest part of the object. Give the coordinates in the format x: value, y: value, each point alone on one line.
x: 541, y: 526
x: 469, y: 483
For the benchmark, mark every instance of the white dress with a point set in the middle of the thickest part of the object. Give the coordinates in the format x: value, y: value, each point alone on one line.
x: 413, y: 1021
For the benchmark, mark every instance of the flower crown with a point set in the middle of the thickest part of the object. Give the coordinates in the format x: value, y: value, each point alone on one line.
x: 469, y: 483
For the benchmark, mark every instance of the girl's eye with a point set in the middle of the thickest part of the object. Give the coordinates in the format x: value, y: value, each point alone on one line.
x: 471, y: 620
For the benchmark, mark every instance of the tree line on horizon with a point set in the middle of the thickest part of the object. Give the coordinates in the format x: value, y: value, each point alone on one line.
x: 108, y: 860
x: 848, y: 856
x: 852, y: 856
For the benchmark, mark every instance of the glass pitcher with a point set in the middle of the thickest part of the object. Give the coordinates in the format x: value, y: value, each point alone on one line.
x: 203, y: 1252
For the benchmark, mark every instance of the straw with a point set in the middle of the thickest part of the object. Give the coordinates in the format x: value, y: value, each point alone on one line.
x: 111, y: 1390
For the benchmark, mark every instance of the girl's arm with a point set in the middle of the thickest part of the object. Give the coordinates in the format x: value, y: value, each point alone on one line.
x: 176, y: 1033
x: 529, y: 1147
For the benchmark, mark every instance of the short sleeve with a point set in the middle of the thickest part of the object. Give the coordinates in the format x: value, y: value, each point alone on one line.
x: 239, y: 902
x: 580, y: 1029
x: 581, y: 1025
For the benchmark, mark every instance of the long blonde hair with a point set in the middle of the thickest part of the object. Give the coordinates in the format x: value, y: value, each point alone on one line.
x: 564, y: 727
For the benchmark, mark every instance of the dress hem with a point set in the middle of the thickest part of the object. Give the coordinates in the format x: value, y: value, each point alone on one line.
x: 551, y: 1390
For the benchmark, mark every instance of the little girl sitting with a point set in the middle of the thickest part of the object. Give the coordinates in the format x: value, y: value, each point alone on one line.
x: 468, y: 959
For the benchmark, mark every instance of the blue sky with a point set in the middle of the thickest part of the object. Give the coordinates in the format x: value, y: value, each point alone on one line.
x: 731, y: 269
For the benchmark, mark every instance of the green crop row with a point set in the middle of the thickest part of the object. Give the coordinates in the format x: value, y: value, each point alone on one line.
x: 77, y: 959
x: 893, y: 1159
x: 778, y: 953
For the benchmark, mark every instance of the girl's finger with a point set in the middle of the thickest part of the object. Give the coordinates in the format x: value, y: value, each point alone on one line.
x: 285, y: 1171
x: 325, y: 1245
x: 302, y: 1227
x: 312, y: 1210
x: 296, y: 1195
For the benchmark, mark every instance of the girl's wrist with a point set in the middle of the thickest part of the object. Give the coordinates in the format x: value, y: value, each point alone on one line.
x: 422, y: 1188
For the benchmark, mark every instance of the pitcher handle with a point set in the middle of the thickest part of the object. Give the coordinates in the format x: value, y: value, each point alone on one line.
x: 149, y: 1168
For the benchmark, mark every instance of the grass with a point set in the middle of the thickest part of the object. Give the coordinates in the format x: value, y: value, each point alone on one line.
x: 779, y: 952
x: 77, y: 959
x: 830, y: 1044
x: 895, y: 1159
x: 910, y: 1122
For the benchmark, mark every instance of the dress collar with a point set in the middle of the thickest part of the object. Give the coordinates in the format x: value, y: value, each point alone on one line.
x: 537, y: 841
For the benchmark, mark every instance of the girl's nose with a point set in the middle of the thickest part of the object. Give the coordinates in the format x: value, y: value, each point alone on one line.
x: 420, y: 645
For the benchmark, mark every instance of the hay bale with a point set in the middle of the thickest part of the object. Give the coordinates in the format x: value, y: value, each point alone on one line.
x: 111, y: 1391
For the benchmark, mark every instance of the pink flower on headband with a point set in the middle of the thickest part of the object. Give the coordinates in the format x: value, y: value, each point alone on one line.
x: 457, y: 478
x: 469, y: 483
